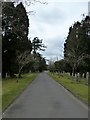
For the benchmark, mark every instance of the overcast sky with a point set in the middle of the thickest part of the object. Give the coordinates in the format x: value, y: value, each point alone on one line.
x: 51, y: 23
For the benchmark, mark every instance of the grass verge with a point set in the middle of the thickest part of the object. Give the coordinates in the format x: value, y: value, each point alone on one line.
x: 11, y: 89
x: 79, y: 89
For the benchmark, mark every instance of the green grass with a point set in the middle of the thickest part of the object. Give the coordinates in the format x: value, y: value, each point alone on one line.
x: 79, y: 89
x: 11, y: 89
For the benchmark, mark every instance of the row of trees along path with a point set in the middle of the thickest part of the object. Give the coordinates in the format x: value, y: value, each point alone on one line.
x: 16, y: 47
x: 76, y: 51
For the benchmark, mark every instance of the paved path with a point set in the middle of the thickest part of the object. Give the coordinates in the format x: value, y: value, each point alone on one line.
x: 45, y: 98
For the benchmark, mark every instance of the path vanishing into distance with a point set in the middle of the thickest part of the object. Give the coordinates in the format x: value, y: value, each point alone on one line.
x: 45, y: 98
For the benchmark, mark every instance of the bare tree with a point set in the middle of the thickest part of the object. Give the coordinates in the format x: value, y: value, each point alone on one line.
x: 23, y: 59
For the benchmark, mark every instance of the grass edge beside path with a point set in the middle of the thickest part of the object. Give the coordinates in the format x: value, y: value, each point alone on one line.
x: 77, y: 89
x: 11, y: 89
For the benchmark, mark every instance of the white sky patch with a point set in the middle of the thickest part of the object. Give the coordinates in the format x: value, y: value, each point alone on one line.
x: 51, y: 23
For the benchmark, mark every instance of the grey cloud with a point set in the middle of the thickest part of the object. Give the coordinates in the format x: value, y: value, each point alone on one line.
x: 52, y: 22
x: 52, y: 16
x: 54, y: 48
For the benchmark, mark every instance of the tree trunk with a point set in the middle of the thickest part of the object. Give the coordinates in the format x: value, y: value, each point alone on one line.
x: 81, y: 74
x: 73, y: 71
x: 70, y: 73
x: 19, y: 73
x: 3, y: 74
x: 85, y: 75
x: 77, y: 79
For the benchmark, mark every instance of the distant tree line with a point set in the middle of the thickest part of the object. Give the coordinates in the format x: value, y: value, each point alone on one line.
x: 76, y: 50
x: 16, y: 47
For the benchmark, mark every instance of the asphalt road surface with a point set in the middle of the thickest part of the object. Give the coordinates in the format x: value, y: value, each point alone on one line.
x: 45, y: 98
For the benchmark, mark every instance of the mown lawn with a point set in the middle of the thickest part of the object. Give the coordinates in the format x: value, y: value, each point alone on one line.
x: 11, y: 89
x: 79, y: 89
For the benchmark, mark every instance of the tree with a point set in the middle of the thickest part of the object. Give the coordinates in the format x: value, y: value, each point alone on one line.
x: 61, y: 66
x: 7, y: 38
x: 86, y: 27
x: 23, y: 59
x: 51, y: 66
x: 76, y: 46
x: 29, y: 2
x: 15, y: 25
x: 39, y: 62
x: 37, y: 45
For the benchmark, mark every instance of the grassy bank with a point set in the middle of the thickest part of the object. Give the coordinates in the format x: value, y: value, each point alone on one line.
x: 11, y: 89
x: 79, y: 89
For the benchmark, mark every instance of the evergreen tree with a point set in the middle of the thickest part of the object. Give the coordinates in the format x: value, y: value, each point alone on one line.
x: 15, y: 25
x: 76, y: 47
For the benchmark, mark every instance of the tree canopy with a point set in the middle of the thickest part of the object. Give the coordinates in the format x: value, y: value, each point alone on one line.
x: 16, y: 47
x: 76, y: 47
x: 76, y: 50
x: 15, y: 25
